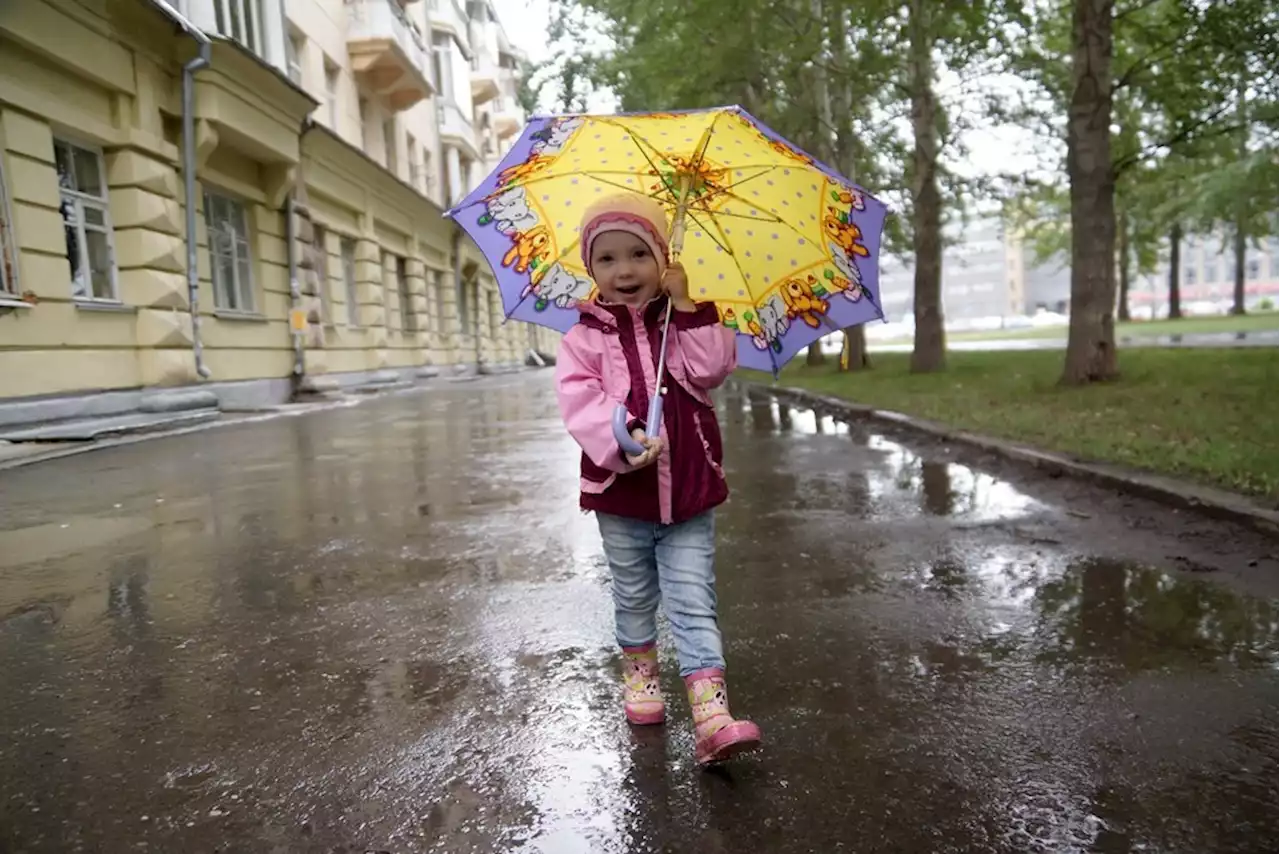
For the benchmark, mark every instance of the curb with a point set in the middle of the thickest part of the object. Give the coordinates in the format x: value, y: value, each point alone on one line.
x: 1206, y: 500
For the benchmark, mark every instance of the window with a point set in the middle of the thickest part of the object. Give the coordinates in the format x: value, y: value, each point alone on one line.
x: 229, y: 253
x: 347, y: 248
x: 442, y: 64
x: 86, y: 221
x: 464, y: 302
x: 321, y: 260
x: 364, y: 123
x: 440, y: 284
x: 389, y: 146
x: 408, y: 320
x: 412, y: 153
x: 331, y: 92
x: 8, y: 246
x: 1252, y: 270
x: 1189, y: 276
x: 293, y: 47
x: 240, y: 20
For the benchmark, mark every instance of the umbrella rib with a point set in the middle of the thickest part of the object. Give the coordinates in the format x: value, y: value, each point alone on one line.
x: 765, y: 170
x: 722, y: 246
x: 779, y: 220
x: 637, y: 139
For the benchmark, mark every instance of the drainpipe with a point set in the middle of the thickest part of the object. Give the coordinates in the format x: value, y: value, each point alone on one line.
x: 295, y: 290
x: 189, y: 70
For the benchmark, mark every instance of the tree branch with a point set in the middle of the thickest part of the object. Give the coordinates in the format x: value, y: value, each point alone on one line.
x: 1183, y: 135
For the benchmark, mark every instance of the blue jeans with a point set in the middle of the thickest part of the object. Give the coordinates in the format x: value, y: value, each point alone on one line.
x: 674, y: 563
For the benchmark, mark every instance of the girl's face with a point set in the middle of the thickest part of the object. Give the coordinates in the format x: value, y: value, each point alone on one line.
x: 624, y: 268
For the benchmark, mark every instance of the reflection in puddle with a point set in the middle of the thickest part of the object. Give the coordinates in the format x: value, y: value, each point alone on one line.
x: 1092, y: 611
x: 895, y: 472
x: 945, y: 489
x: 1141, y: 618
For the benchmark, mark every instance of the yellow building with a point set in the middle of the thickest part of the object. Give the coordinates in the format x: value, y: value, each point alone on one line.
x: 328, y: 135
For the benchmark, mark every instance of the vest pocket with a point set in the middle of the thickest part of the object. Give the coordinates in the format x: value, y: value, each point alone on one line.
x: 699, y: 415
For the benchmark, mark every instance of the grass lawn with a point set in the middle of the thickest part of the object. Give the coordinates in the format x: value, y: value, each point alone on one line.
x: 1186, y: 326
x: 1207, y: 415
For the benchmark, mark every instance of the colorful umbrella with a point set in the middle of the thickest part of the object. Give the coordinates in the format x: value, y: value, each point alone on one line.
x: 784, y: 246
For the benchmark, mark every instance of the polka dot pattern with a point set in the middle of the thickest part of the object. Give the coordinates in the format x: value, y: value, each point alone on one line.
x: 760, y: 220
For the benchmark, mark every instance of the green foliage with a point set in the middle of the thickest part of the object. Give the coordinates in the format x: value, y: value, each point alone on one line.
x: 1194, y: 120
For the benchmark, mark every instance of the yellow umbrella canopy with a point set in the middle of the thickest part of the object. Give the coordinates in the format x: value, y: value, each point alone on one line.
x: 784, y: 246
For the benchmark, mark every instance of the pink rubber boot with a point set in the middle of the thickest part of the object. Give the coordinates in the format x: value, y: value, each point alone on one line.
x: 641, y: 694
x: 717, y: 736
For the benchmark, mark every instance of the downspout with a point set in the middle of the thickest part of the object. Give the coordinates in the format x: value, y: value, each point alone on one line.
x: 295, y: 290
x: 291, y: 252
x: 201, y: 60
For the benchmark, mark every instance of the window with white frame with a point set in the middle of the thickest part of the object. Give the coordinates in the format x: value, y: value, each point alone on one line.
x: 331, y: 73
x: 319, y: 243
x: 86, y: 221
x: 347, y: 249
x: 229, y: 255
x: 408, y: 319
x: 389, y: 147
x: 8, y: 245
x: 440, y: 283
x: 413, y: 155
x: 294, y: 45
x: 442, y: 64
x: 240, y: 20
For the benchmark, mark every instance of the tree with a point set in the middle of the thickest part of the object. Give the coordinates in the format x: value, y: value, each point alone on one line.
x: 1091, y: 349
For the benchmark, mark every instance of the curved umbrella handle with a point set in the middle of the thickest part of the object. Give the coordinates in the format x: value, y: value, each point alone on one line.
x: 652, y: 426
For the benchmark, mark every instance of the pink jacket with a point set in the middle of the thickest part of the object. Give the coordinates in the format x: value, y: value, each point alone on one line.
x: 611, y: 357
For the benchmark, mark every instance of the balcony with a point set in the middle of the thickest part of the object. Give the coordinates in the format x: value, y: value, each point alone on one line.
x: 486, y: 77
x: 388, y: 55
x: 508, y: 118
x: 456, y: 128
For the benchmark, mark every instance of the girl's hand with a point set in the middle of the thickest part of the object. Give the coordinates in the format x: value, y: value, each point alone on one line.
x: 652, y: 450
x: 676, y: 284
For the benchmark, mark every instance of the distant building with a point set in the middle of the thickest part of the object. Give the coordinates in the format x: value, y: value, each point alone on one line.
x: 981, y: 277
x: 988, y: 274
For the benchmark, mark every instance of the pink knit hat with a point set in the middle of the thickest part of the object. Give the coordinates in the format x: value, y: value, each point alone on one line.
x: 629, y: 212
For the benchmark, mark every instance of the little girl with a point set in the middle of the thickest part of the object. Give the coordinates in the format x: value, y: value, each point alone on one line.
x: 655, y: 510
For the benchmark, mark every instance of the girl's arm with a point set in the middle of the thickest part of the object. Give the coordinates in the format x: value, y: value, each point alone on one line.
x: 708, y: 348
x: 587, y: 411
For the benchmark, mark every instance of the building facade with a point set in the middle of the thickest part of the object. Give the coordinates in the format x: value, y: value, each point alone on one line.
x: 988, y: 273
x: 982, y: 276
x: 329, y: 137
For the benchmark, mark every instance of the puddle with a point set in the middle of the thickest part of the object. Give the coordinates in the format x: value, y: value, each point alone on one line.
x: 1016, y: 603
x: 898, y: 481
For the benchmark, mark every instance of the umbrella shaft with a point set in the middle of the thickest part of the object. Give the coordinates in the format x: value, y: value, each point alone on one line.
x: 677, y: 245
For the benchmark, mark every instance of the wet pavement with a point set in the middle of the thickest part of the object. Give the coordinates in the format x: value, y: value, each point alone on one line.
x: 387, y: 628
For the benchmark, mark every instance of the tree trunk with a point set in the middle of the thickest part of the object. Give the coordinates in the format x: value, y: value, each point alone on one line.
x: 815, y: 356
x: 929, y: 352
x: 1124, y: 227
x: 853, y: 356
x: 1237, y: 291
x: 1175, y: 271
x: 1091, y: 344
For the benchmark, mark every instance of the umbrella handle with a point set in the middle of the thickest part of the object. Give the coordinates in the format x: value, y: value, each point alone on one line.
x: 651, y: 428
